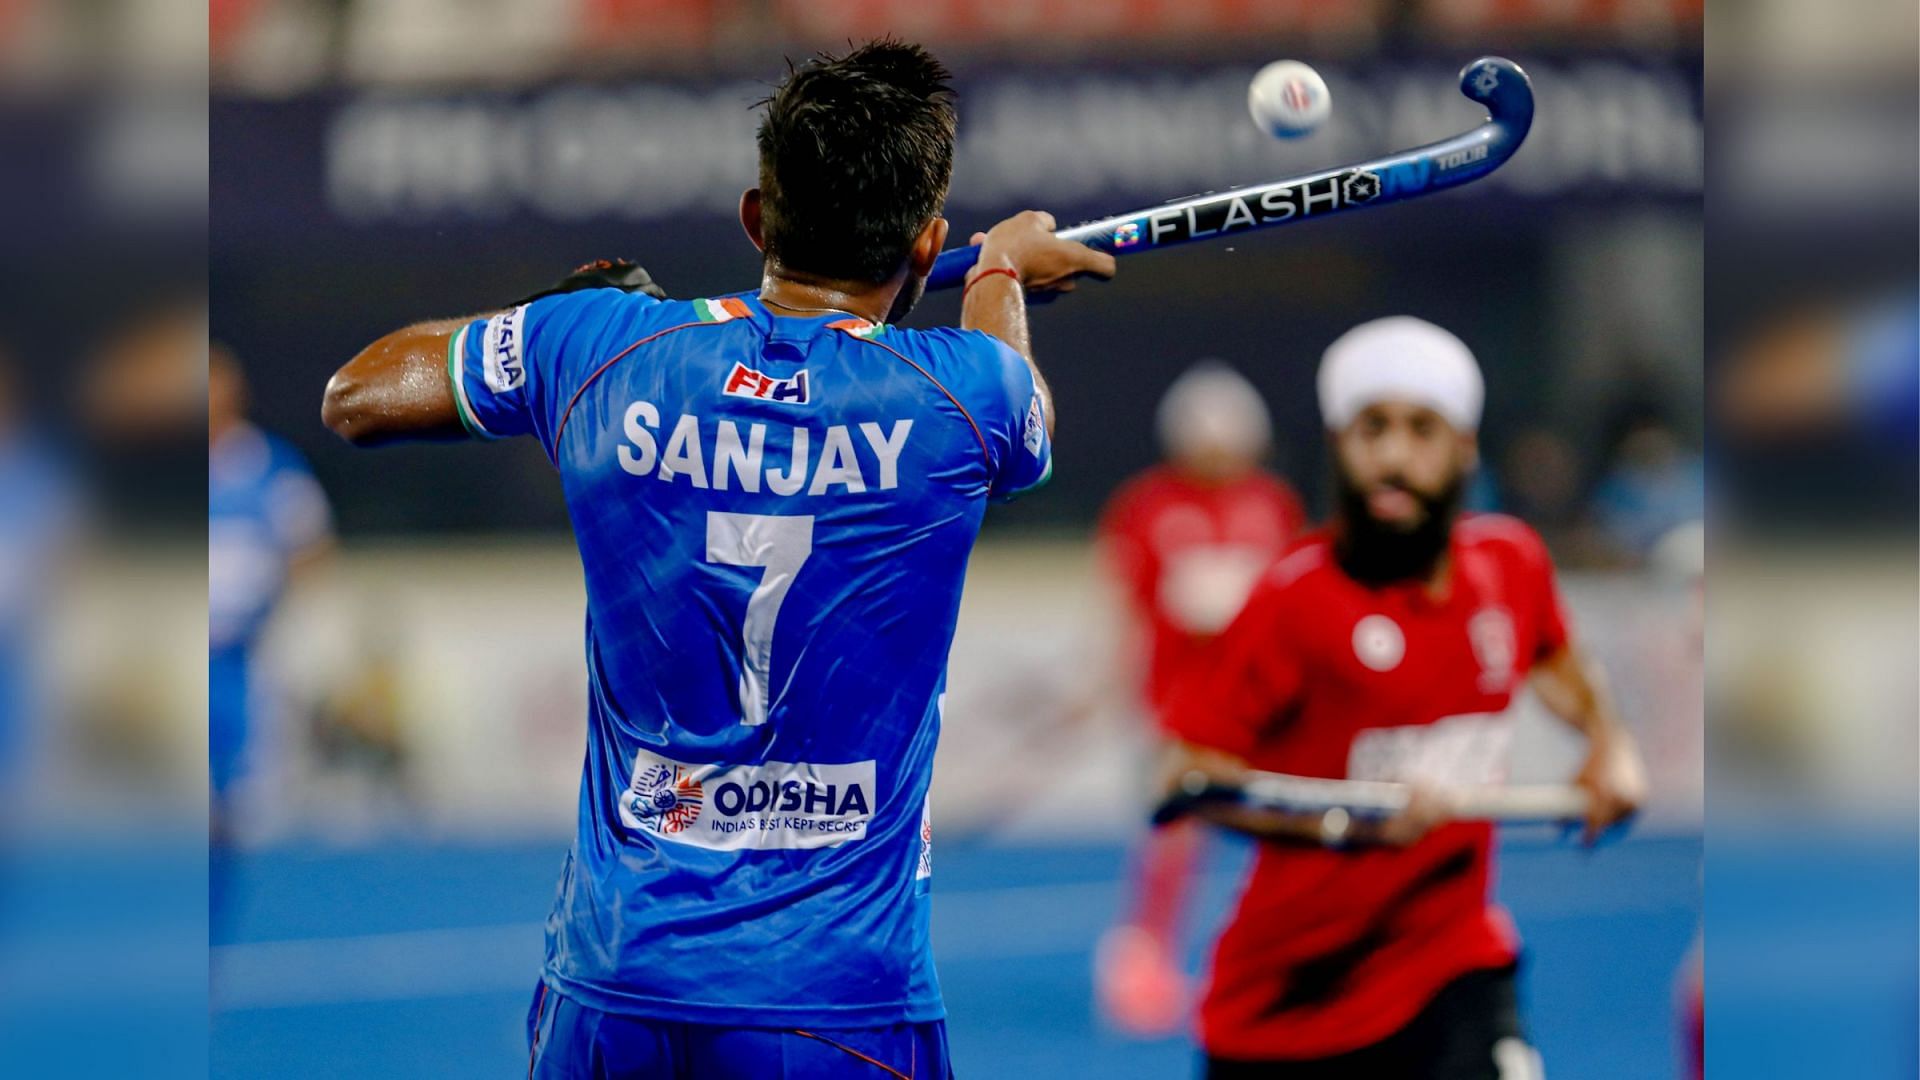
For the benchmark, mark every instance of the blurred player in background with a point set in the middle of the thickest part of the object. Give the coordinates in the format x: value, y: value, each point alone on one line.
x: 1388, y: 648
x: 268, y: 524
x: 1184, y: 543
x: 774, y: 496
x: 1826, y: 368
x: 1680, y: 564
x: 1654, y: 485
x: 36, y: 519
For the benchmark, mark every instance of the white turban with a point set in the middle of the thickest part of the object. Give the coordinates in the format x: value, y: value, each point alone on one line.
x: 1212, y: 406
x: 1400, y: 358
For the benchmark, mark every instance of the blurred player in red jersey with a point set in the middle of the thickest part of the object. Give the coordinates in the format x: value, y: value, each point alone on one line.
x: 1387, y: 648
x: 1184, y: 542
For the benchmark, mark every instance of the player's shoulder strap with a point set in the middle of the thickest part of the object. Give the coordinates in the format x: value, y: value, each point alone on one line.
x: 1310, y: 554
x: 718, y: 309
x: 1498, y: 528
x: 859, y: 328
x: 1501, y: 531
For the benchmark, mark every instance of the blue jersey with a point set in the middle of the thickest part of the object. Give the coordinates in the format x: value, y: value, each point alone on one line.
x: 36, y: 519
x: 264, y: 508
x: 774, y: 516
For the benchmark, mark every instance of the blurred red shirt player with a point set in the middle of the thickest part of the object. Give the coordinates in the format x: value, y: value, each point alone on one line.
x: 1184, y: 543
x: 1387, y: 648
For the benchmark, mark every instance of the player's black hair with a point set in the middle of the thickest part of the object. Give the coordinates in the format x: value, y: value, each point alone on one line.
x: 855, y: 155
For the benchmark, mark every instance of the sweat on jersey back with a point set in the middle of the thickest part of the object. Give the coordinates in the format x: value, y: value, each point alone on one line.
x: 773, y: 516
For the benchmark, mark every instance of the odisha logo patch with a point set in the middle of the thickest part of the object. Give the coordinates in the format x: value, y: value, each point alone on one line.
x: 762, y: 805
x: 664, y: 799
x: 924, y: 868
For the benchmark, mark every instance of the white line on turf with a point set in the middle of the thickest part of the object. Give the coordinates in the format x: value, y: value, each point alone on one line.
x: 1005, y: 923
x: 1013, y: 922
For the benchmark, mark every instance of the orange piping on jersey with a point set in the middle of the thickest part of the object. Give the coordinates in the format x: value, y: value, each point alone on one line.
x: 539, y: 1014
x: 984, y: 454
x: 888, y: 1069
x: 602, y: 370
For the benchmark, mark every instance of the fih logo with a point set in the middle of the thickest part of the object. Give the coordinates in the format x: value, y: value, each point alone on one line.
x: 665, y: 799
x: 743, y: 381
x: 1127, y: 235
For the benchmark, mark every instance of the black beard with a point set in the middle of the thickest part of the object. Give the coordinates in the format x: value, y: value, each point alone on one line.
x: 906, y: 298
x: 1377, y: 554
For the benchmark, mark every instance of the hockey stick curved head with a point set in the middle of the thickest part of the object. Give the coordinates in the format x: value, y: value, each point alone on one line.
x: 1498, y: 84
x: 1494, y: 82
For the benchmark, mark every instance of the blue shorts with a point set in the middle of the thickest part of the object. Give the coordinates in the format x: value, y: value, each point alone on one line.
x: 228, y: 691
x: 568, y: 1041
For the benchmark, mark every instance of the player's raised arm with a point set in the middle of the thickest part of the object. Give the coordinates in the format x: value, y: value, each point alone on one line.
x: 400, y: 387
x: 1020, y: 256
x: 397, y: 388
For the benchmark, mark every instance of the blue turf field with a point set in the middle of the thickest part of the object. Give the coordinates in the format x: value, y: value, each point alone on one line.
x: 417, y: 961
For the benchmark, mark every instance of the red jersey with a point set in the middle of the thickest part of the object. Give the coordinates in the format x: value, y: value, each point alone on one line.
x: 1187, y: 554
x: 1330, y: 951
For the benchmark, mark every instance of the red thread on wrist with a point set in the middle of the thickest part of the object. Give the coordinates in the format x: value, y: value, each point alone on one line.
x: 981, y: 275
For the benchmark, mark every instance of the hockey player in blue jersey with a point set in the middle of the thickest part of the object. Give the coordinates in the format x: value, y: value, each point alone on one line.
x: 268, y: 527
x: 774, y: 496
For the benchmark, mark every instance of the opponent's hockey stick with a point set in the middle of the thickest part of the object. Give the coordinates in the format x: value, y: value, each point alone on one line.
x: 1494, y: 82
x: 1371, y: 799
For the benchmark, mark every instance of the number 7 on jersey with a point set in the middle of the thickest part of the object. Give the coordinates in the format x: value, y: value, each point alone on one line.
x: 780, y: 544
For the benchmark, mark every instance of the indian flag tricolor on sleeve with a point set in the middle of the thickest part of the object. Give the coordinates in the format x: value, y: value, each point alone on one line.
x: 858, y: 327
x: 721, y: 310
